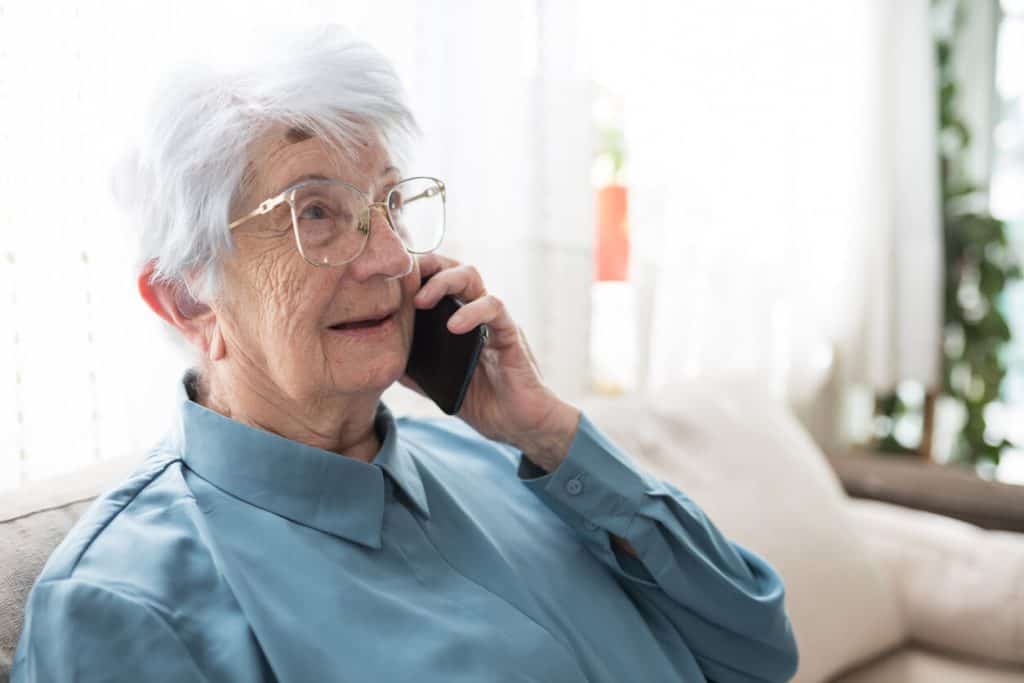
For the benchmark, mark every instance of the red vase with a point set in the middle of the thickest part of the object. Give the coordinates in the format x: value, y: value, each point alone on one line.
x: 611, y: 248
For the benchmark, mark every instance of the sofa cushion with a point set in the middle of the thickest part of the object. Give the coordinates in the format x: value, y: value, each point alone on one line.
x: 912, y: 665
x: 961, y: 587
x: 33, y: 520
x: 747, y: 462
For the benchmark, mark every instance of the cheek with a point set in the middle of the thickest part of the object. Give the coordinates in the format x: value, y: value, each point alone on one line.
x: 411, y: 283
x: 410, y: 286
x: 290, y: 299
x: 408, y: 318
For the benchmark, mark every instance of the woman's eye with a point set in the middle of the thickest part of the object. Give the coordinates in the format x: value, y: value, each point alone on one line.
x: 314, y: 212
x: 395, y: 201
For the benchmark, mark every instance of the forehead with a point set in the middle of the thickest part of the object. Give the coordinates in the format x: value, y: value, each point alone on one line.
x: 283, y: 155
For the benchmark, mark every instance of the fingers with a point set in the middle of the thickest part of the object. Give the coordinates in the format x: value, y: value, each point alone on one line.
x: 491, y: 311
x: 487, y: 310
x: 480, y: 308
x: 432, y: 263
x: 461, y: 281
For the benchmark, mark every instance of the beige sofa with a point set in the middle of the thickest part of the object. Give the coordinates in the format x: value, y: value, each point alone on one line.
x: 877, y: 593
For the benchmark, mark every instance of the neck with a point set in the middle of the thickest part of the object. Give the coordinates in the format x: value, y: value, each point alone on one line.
x: 342, y: 423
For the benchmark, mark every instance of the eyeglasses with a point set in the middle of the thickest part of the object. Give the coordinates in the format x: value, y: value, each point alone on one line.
x: 331, y: 218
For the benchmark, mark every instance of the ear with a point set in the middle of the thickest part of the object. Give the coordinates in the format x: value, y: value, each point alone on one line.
x: 171, y: 301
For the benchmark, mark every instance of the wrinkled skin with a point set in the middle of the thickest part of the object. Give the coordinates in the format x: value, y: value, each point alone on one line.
x: 271, y: 360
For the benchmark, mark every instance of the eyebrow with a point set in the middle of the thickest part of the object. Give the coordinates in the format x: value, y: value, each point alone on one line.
x: 296, y: 134
x: 318, y: 176
x: 302, y: 179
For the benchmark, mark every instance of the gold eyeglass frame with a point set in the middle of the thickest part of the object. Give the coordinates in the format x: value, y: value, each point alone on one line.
x: 288, y: 196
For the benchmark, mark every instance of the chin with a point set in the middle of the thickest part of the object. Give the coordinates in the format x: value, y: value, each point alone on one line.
x: 378, y: 372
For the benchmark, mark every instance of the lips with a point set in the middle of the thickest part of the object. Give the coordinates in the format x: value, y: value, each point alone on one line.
x: 363, y: 322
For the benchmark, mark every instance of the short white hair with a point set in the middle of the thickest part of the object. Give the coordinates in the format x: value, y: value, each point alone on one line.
x: 181, y: 177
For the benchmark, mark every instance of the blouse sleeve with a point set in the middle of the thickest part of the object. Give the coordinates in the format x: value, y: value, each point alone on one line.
x: 725, y: 601
x: 77, y: 631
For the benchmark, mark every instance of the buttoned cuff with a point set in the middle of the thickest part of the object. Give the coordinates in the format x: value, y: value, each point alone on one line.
x: 597, y: 489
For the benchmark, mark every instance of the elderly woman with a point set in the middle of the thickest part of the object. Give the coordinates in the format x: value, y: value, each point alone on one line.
x: 290, y: 528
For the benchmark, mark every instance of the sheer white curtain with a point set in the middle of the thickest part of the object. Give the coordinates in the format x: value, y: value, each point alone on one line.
x: 85, y: 370
x: 785, y: 206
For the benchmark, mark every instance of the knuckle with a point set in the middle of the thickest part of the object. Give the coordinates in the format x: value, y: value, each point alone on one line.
x: 443, y: 277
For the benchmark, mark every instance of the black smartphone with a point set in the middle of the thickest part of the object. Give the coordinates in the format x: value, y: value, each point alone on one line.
x: 441, y: 362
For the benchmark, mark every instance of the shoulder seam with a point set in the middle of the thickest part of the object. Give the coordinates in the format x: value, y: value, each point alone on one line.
x: 149, y: 608
x: 156, y: 473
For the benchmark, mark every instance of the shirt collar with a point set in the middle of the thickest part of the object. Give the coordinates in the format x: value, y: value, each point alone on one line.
x: 314, y: 487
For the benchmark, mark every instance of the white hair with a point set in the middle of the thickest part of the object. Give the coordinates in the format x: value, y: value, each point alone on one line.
x: 179, y: 181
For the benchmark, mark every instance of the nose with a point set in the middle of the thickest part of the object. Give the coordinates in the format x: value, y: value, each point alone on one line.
x: 384, y: 253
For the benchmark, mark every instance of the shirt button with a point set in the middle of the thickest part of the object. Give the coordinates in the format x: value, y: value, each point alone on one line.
x: 589, y: 526
x: 574, y: 487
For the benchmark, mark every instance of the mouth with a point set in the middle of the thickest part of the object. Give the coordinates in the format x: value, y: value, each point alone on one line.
x: 377, y: 322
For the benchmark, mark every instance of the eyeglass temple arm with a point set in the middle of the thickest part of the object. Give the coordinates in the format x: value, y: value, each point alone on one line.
x: 265, y: 207
x: 427, y: 193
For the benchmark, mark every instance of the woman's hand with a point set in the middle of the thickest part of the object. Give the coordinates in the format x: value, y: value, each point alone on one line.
x: 507, y: 399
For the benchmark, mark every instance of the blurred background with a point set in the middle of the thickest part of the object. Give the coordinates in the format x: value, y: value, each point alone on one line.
x: 825, y: 199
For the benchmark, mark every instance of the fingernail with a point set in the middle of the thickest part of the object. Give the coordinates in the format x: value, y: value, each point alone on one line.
x: 455, y: 323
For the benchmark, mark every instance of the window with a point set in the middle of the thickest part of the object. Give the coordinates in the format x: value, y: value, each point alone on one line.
x: 1007, y: 204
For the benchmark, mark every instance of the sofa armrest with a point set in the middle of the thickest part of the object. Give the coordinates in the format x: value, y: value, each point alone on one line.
x: 913, y: 483
x: 961, y: 588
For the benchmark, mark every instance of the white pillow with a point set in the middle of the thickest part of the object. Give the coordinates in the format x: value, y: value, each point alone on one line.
x: 962, y: 587
x: 748, y: 463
